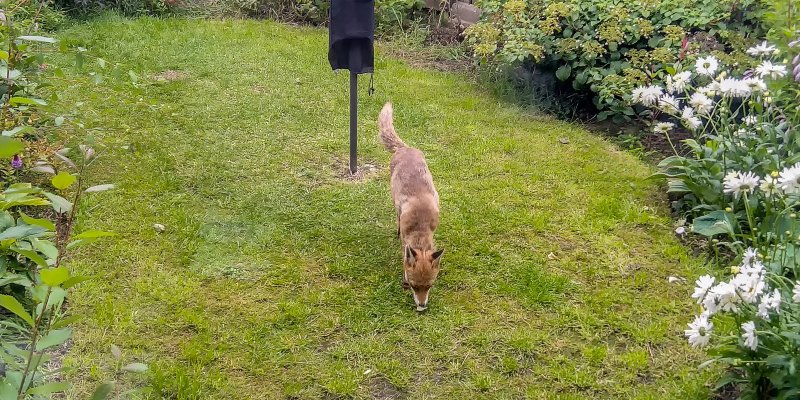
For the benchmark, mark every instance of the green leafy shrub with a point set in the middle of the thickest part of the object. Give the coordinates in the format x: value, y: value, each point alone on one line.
x: 605, y: 48
x: 126, y: 7
x: 36, y: 224
x: 390, y: 15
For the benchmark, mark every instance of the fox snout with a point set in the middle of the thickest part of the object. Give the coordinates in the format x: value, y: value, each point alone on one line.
x: 421, y: 298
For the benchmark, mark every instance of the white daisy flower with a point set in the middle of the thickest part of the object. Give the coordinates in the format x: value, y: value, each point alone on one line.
x: 763, y: 49
x: 749, y: 336
x: 789, y: 179
x: 750, y: 120
x: 693, y: 123
x: 756, y: 85
x: 702, y: 286
x: 769, y: 186
x: 732, y: 87
x: 750, y: 255
x: 743, y: 133
x: 701, y: 103
x: 725, y: 297
x: 663, y: 127
x: 677, y: 82
x: 669, y: 104
x: 647, y: 96
x: 710, y: 303
x: 738, y: 183
x: 770, y: 302
x: 710, y: 90
x: 796, y: 292
x: 774, y: 71
x: 706, y: 65
x: 750, y: 286
x: 699, y: 331
x: 689, y: 120
x: 756, y: 268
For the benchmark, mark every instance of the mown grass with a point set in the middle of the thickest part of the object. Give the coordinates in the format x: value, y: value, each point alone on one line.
x: 277, y: 277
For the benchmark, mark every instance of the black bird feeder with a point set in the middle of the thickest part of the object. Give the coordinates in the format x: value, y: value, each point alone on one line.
x: 351, y: 33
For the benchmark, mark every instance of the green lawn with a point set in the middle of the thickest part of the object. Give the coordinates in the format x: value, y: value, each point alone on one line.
x: 278, y: 278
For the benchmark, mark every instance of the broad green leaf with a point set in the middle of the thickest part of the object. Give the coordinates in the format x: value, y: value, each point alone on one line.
x: 18, y: 130
x: 6, y: 220
x: 93, y: 234
x: 65, y: 321
x: 44, y: 168
x: 74, y: 281
x: 65, y: 159
x: 46, y: 247
x: 16, y: 101
x: 102, y: 391
x: 7, y: 391
x: 49, y: 388
x: 21, y: 231
x: 9, y: 147
x: 58, y: 121
x: 54, y: 276
x: 33, y: 256
x: 100, y: 188
x: 137, y: 368
x: 80, y: 242
x: 60, y: 204
x: 563, y: 72
x: 53, y: 338
x: 43, y: 222
x: 13, y: 74
x: 40, y: 39
x: 11, y: 304
x: 63, y: 180
x: 714, y: 223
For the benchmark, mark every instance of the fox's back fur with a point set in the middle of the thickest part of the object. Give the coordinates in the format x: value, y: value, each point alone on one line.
x: 415, y: 197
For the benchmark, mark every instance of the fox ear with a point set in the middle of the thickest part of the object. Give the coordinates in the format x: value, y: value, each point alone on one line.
x: 411, y: 255
x: 437, y: 255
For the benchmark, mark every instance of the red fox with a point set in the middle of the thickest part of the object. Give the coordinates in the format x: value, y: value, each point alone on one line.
x: 417, y: 204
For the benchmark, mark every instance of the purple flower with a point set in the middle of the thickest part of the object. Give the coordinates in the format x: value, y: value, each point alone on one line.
x: 16, y: 162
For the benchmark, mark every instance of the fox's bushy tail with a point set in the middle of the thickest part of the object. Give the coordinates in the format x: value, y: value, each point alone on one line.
x: 386, y: 132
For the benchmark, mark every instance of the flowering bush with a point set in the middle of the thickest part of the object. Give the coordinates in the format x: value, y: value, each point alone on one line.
x: 740, y: 181
x: 741, y: 175
x: 758, y: 330
x: 605, y: 48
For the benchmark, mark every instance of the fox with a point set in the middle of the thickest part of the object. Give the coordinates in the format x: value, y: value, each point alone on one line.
x: 416, y: 202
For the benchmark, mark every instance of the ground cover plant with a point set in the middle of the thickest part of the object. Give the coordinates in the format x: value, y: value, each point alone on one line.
x: 248, y: 264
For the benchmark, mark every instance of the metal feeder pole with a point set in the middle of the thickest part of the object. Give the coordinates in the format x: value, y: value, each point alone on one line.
x: 353, y: 121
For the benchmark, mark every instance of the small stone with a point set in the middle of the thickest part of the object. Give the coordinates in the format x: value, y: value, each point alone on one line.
x: 563, y: 140
x: 159, y: 228
x: 673, y: 279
